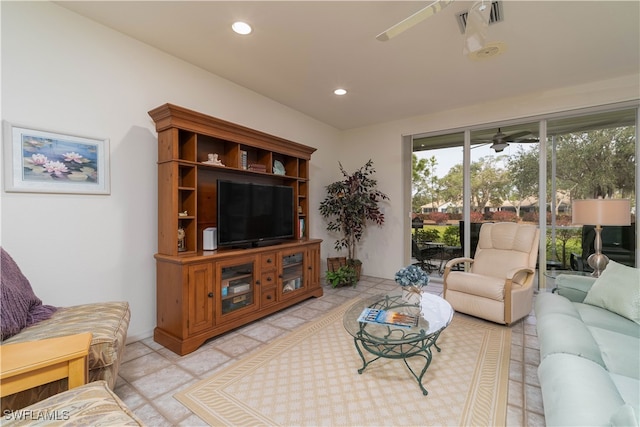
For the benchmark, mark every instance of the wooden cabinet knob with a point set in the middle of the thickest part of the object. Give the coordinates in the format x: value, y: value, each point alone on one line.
x: 210, y: 294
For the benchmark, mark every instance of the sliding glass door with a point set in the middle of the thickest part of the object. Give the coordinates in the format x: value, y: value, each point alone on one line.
x: 590, y: 156
x: 526, y: 172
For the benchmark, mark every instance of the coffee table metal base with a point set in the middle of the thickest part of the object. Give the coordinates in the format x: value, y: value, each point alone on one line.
x: 389, y: 341
x: 420, y: 347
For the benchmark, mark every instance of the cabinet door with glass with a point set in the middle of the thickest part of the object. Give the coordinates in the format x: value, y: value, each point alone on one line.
x: 235, y: 279
x: 293, y: 278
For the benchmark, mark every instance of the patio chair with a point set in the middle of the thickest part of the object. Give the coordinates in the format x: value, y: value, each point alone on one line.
x: 424, y: 256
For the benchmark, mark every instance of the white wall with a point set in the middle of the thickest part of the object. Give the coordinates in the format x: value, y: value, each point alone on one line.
x: 64, y: 73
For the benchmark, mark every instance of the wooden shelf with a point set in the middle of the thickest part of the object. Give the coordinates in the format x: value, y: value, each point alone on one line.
x: 189, y: 303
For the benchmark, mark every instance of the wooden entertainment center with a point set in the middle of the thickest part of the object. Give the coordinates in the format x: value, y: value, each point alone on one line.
x: 202, y: 294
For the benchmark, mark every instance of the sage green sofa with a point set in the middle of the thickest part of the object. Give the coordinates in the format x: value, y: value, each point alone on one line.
x: 589, y: 336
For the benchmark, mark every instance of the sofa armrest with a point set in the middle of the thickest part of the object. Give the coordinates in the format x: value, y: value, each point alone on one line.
x: 573, y: 287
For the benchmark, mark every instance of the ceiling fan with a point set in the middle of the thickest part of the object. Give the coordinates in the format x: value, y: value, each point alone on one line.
x: 476, y: 23
x: 501, y: 140
x: 414, y: 19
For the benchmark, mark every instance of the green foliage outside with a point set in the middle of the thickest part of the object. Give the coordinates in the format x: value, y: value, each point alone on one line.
x: 428, y: 234
x: 594, y: 163
x: 567, y: 241
x: 451, y: 236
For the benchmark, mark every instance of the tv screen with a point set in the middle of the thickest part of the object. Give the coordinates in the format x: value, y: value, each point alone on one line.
x: 250, y: 213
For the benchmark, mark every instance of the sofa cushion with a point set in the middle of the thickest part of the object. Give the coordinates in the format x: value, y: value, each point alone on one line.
x: 92, y: 404
x: 549, y: 303
x: 617, y: 290
x: 620, y: 352
x: 577, y: 392
x: 107, y: 321
x: 574, y: 287
x: 624, y: 417
x: 629, y: 389
x: 572, y: 337
x: 605, y: 319
x: 20, y: 306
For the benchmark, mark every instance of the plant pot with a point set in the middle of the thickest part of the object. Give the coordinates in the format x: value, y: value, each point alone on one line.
x: 334, y: 264
x: 358, y: 268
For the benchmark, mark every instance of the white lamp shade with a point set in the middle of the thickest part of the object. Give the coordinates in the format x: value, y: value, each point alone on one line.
x: 601, y: 212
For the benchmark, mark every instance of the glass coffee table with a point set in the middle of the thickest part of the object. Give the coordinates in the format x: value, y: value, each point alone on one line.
x: 396, y: 342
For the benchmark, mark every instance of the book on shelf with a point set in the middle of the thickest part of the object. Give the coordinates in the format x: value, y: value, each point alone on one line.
x: 388, y: 317
x: 243, y: 159
x: 257, y: 167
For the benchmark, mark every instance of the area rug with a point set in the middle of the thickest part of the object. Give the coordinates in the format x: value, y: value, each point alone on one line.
x: 310, y: 378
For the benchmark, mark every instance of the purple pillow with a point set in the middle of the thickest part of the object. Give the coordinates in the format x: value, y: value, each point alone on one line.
x: 19, y: 306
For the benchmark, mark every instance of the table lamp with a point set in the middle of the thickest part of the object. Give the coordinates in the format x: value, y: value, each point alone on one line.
x: 600, y: 212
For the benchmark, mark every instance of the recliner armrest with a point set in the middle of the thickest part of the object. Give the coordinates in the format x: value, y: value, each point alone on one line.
x: 511, y: 273
x: 455, y: 261
x: 573, y: 287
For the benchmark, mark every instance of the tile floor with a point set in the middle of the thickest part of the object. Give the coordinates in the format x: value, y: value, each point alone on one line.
x: 150, y: 374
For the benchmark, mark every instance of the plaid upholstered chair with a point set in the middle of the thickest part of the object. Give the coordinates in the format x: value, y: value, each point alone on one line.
x: 24, y: 318
x: 499, y: 283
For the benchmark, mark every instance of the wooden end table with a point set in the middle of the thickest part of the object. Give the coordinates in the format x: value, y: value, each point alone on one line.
x: 29, y: 364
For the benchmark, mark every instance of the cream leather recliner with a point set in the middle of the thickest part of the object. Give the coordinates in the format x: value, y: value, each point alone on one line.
x: 498, y: 286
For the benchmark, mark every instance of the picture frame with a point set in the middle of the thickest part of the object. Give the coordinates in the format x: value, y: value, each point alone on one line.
x: 42, y: 161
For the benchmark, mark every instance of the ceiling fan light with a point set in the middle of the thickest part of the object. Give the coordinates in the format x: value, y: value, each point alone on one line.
x: 499, y: 146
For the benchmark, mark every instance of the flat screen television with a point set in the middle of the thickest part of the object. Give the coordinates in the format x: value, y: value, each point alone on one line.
x: 250, y: 213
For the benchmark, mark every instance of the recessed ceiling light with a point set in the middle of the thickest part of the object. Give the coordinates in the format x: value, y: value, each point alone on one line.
x: 242, y: 28
x: 340, y: 92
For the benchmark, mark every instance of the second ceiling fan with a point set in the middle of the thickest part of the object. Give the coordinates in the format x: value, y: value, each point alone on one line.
x: 501, y: 140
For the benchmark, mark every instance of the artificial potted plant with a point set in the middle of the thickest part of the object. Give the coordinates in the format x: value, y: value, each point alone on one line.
x: 350, y: 204
x: 343, y: 276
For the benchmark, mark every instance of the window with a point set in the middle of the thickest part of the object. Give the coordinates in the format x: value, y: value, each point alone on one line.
x: 584, y: 155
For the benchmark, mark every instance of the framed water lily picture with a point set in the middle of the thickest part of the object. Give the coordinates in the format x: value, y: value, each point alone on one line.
x: 47, y: 162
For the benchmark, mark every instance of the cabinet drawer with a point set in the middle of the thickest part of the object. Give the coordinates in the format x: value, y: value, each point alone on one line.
x: 268, y: 279
x: 267, y: 297
x: 268, y: 261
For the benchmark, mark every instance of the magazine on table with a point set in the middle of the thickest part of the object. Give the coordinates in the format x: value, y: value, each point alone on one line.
x: 388, y: 317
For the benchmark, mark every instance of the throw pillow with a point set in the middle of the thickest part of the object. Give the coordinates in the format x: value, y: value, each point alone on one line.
x: 20, y: 306
x: 617, y: 290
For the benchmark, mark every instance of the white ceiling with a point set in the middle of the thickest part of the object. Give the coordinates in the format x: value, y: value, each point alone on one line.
x: 301, y: 50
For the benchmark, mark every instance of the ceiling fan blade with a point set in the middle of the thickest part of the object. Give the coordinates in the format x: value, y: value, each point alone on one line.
x: 475, y: 33
x: 518, y: 135
x: 481, y: 144
x: 414, y: 19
